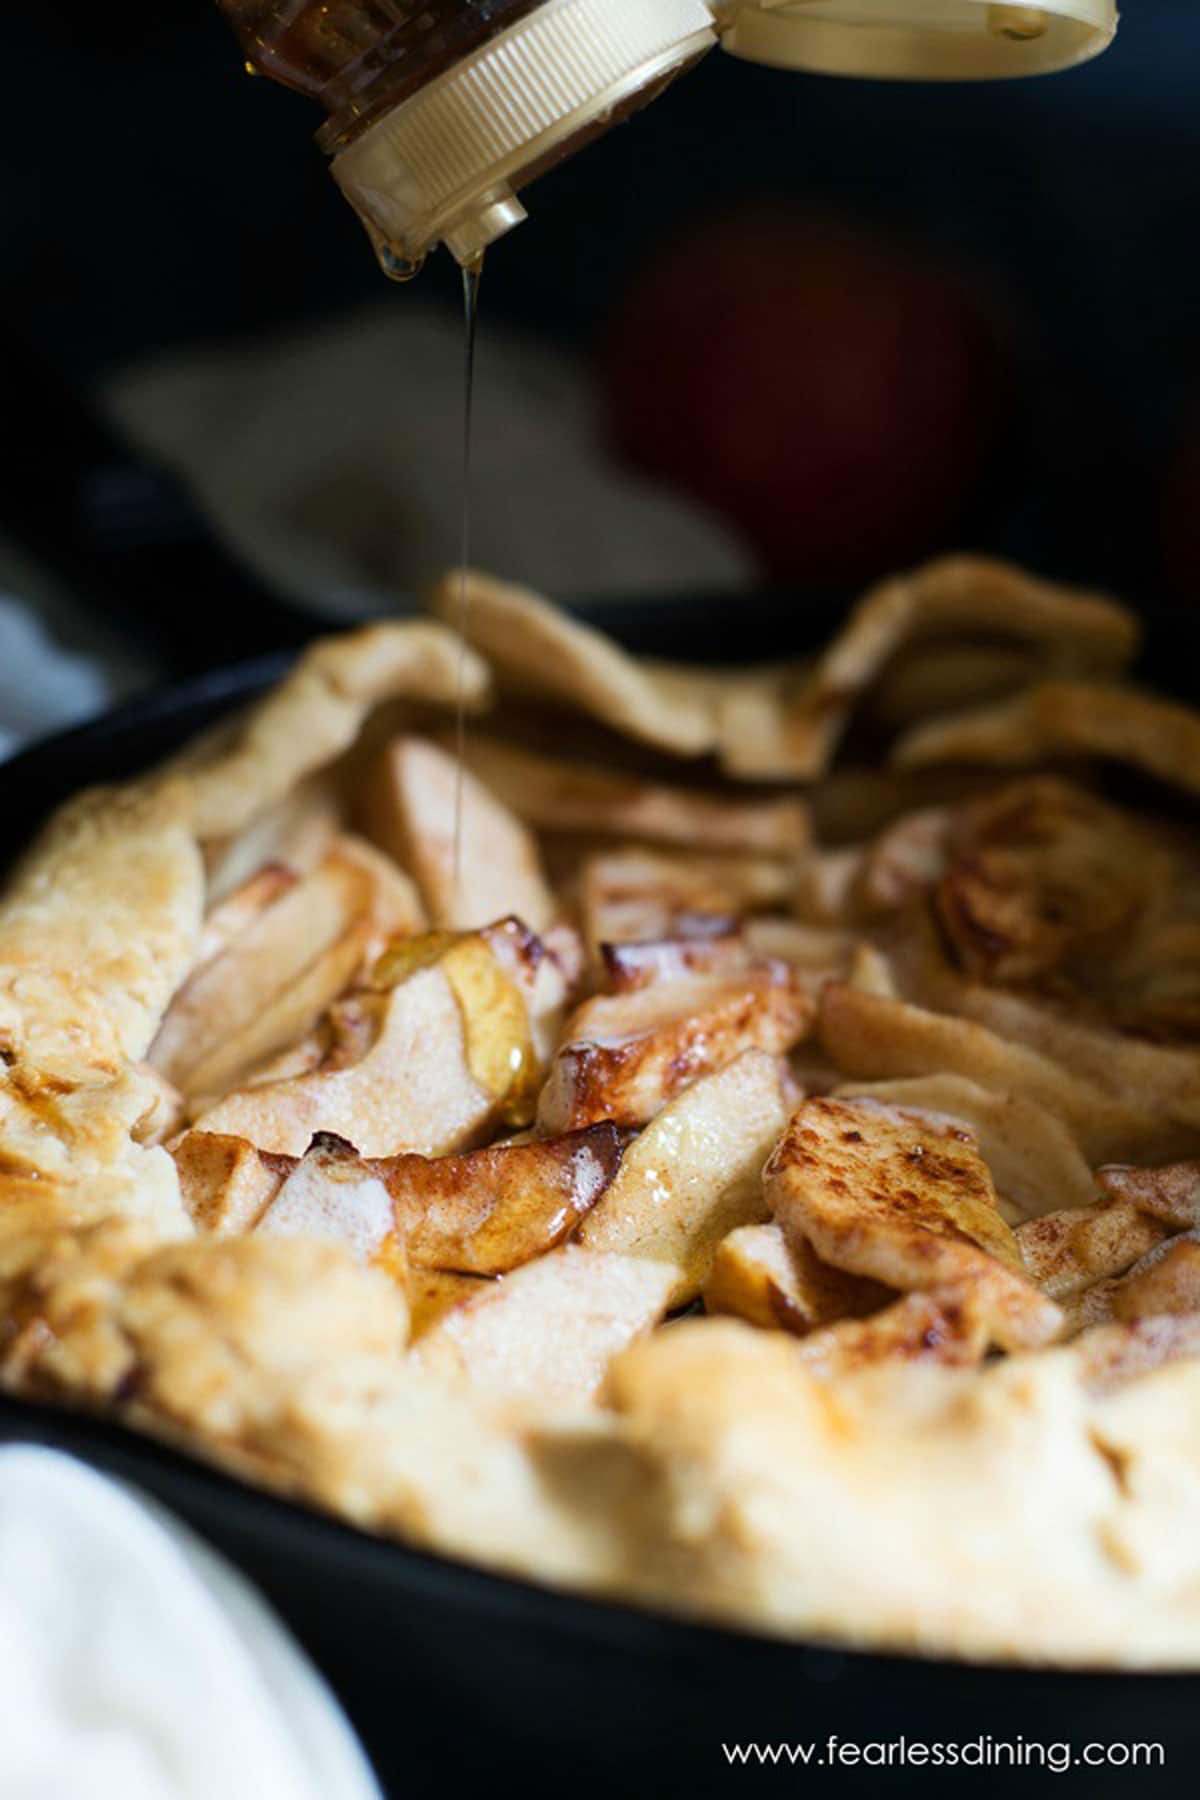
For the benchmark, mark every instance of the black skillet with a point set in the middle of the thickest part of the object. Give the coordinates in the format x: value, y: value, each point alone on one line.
x: 461, y: 1681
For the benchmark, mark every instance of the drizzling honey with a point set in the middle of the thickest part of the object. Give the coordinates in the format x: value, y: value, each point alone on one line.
x: 472, y: 276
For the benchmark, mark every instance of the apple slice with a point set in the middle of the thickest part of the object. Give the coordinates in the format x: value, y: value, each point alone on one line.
x: 1169, y: 1191
x: 294, y: 834
x: 409, y: 806
x: 907, y: 1200
x: 230, y: 993
x: 283, y: 1023
x: 333, y: 1194
x: 300, y: 1058
x: 548, y: 1332
x: 629, y: 967
x: 1066, y: 1252
x: 821, y: 951
x: 496, y: 976
x: 480, y: 1214
x: 1164, y: 1281
x: 946, y: 1326
x: 426, y: 1066
x: 239, y: 909
x: 694, y: 1173
x: 491, y: 1210
x: 624, y: 1057
x: 1109, y: 1355
x: 557, y: 795
x: 432, y: 1293
x: 869, y: 1037
x: 225, y: 1181
x: 412, y: 1090
x: 396, y: 909
x: 630, y: 896
x: 757, y: 1275
x: 544, y: 970
x: 1035, y: 1161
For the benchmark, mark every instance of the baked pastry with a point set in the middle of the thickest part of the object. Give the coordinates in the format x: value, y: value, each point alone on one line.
x: 763, y: 1131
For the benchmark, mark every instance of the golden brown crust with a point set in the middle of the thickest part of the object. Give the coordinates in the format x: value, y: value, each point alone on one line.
x: 730, y: 1470
x: 1066, y: 718
x: 793, y: 729
x: 97, y: 928
x: 1026, y: 1505
x: 315, y: 714
x: 537, y: 651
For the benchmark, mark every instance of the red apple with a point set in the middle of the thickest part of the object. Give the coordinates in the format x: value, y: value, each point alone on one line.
x: 832, y: 396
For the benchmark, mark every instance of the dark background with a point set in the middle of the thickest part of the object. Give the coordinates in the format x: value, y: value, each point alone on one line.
x: 151, y: 195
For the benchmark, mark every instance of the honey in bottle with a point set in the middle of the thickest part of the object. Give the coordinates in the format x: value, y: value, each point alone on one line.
x: 440, y: 111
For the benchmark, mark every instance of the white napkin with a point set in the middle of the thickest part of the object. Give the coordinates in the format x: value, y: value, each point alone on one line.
x: 136, y: 1665
x: 43, y: 687
x: 332, y: 461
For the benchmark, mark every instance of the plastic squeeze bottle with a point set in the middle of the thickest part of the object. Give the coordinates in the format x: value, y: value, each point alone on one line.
x: 441, y: 111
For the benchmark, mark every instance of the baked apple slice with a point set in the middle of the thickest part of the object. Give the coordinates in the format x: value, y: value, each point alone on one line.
x: 217, y: 1024
x: 555, y: 794
x: 412, y: 798
x: 226, y: 1182
x: 630, y: 896
x: 948, y: 1326
x: 1166, y: 1280
x: 491, y: 1210
x: 548, y: 1332
x: 694, y: 1173
x: 294, y: 834
x: 426, y: 1066
x: 631, y: 967
x: 906, y: 1199
x: 759, y: 1276
x: 1068, y: 1251
x: 1168, y: 1191
x: 332, y: 1193
x: 481, y: 1214
x: 626, y: 1056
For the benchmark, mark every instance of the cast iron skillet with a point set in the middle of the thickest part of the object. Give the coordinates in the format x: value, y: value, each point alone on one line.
x: 456, y: 1677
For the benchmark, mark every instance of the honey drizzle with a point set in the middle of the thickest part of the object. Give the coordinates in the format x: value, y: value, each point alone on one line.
x: 471, y: 275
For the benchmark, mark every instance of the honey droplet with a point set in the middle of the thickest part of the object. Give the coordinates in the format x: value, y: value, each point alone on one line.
x: 397, y: 267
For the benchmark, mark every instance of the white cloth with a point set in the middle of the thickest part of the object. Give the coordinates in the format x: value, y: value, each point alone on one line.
x: 43, y: 687
x: 59, y: 662
x: 136, y: 1665
x: 333, y: 463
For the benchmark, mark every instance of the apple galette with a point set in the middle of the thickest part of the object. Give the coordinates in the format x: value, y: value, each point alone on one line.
x: 734, y: 1144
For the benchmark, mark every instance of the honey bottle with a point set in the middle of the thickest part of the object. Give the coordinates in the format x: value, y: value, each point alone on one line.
x: 441, y: 111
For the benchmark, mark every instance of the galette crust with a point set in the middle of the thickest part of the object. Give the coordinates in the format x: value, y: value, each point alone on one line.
x: 1019, y: 1510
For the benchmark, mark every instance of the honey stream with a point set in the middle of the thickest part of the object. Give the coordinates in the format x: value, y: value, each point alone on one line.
x: 471, y: 275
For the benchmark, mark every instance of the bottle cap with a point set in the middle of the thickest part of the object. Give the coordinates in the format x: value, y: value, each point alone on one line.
x: 444, y: 166
x: 918, y: 40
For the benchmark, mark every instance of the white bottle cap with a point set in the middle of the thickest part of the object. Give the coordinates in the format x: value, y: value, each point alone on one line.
x: 917, y: 40
x: 444, y: 166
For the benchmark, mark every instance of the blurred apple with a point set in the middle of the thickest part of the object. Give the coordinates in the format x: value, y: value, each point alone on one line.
x: 833, y: 397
